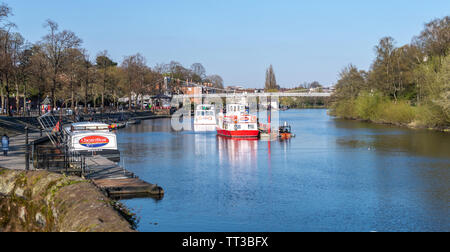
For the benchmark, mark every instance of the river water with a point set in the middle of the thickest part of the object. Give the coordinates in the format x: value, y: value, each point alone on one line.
x: 335, y: 175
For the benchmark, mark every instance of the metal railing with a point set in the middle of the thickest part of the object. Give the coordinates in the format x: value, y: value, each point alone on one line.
x: 59, y: 160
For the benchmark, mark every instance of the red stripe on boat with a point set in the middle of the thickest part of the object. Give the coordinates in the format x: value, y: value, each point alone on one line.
x: 238, y: 133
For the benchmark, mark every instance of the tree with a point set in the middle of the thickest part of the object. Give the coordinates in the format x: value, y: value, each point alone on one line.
x: 413, y: 74
x: 56, y: 46
x: 134, y: 68
x: 198, y: 72
x: 381, y: 75
x: 16, y: 49
x: 86, y: 76
x: 435, y: 38
x: 351, y: 82
x: 24, y: 72
x: 271, y: 82
x: 443, y: 98
x: 216, y: 80
x: 6, y: 52
x: 74, y: 70
x: 119, y: 84
x: 177, y: 71
x: 314, y: 84
x: 39, y: 70
x: 104, y: 65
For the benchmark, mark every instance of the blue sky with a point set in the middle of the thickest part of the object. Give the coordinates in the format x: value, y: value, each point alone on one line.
x: 303, y: 40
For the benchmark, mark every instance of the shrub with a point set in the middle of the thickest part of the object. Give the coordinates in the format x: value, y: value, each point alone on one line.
x: 400, y: 112
x: 367, y: 105
x: 344, y: 109
x: 376, y: 108
x: 432, y: 116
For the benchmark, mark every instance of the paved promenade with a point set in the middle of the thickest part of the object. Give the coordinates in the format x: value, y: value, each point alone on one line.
x: 16, y: 154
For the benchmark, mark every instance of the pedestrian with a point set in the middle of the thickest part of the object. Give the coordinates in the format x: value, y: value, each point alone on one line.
x: 5, y: 144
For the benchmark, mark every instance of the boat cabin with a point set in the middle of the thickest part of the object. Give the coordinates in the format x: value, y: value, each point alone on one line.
x: 237, y: 118
x: 205, y: 118
x: 89, y: 137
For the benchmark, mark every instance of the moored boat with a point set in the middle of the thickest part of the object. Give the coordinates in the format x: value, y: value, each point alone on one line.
x: 237, y: 123
x: 89, y: 137
x: 205, y: 118
x: 285, y: 131
x: 133, y: 122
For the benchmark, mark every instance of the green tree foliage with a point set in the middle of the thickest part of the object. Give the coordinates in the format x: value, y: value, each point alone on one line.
x: 351, y: 82
x: 405, y: 85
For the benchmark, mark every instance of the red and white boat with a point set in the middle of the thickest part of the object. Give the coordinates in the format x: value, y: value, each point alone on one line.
x: 237, y: 123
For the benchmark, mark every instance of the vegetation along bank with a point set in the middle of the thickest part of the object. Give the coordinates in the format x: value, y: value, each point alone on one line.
x: 407, y: 85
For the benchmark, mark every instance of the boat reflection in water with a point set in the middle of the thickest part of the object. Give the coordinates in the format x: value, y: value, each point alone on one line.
x: 203, y: 144
x: 237, y: 153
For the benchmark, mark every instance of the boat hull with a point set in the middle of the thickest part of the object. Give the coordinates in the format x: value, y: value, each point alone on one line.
x: 285, y: 135
x: 204, y: 127
x: 240, y: 134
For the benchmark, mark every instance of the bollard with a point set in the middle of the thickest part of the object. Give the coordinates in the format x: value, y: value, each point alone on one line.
x: 27, y: 155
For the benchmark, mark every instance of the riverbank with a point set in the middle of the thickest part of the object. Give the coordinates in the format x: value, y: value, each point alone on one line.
x: 304, y: 102
x: 42, y: 201
x: 409, y: 126
x: 377, y: 109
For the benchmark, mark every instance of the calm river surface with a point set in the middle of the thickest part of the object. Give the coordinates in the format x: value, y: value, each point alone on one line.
x: 336, y: 175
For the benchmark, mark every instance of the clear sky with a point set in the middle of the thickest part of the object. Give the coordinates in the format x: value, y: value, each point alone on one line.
x: 237, y: 39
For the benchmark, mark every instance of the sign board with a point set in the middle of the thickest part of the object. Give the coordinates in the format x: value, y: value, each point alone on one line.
x: 94, y: 141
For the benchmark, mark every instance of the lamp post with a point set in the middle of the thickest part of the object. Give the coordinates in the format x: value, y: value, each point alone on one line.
x: 27, y: 155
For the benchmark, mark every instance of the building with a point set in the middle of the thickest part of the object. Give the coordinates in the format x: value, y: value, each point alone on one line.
x: 234, y: 88
x: 193, y: 90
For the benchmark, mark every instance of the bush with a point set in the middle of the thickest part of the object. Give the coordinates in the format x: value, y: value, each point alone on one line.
x: 432, y: 116
x: 376, y: 108
x: 367, y: 105
x: 344, y: 109
x: 396, y: 113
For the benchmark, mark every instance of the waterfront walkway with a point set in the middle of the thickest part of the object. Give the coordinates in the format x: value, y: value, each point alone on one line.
x: 104, y: 173
x: 16, y: 154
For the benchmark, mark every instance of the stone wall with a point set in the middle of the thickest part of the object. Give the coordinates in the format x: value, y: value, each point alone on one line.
x: 39, y: 201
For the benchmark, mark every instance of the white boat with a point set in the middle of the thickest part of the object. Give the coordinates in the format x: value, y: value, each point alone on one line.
x: 91, y: 137
x: 205, y: 118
